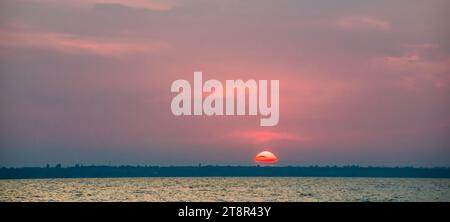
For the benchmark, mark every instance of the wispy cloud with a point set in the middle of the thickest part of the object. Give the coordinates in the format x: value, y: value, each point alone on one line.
x: 421, y: 46
x: 415, y: 67
x: 157, y: 5
x: 362, y: 22
x: 261, y: 137
x: 69, y: 43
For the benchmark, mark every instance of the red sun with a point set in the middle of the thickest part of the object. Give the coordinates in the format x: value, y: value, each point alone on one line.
x: 266, y: 157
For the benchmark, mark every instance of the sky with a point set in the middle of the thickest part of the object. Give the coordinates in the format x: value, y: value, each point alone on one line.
x: 88, y: 81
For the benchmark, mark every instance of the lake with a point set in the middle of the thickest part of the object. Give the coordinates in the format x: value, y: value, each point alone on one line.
x: 226, y: 189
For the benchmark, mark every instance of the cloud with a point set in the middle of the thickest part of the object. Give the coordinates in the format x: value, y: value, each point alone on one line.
x: 422, y: 49
x: 401, y: 59
x: 422, y: 46
x: 362, y: 23
x: 157, y: 5
x: 416, y: 68
x: 69, y: 43
x: 261, y: 137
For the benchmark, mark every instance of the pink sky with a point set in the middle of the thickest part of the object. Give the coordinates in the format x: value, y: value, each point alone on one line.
x: 361, y: 82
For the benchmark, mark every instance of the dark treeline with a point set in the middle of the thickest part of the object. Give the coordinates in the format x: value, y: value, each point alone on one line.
x: 219, y: 171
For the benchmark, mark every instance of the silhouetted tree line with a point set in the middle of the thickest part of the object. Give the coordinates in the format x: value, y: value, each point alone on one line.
x: 78, y: 171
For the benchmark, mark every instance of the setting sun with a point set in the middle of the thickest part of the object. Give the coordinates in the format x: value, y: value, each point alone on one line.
x: 266, y: 157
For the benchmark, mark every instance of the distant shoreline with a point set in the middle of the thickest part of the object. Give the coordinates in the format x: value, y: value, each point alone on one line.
x: 220, y: 171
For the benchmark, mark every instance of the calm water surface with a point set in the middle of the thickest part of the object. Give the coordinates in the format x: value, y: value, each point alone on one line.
x: 226, y: 189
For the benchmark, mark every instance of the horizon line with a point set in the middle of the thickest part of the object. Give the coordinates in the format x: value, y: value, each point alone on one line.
x: 220, y: 165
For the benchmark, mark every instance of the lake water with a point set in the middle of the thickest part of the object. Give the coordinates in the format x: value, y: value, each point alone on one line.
x: 226, y: 189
